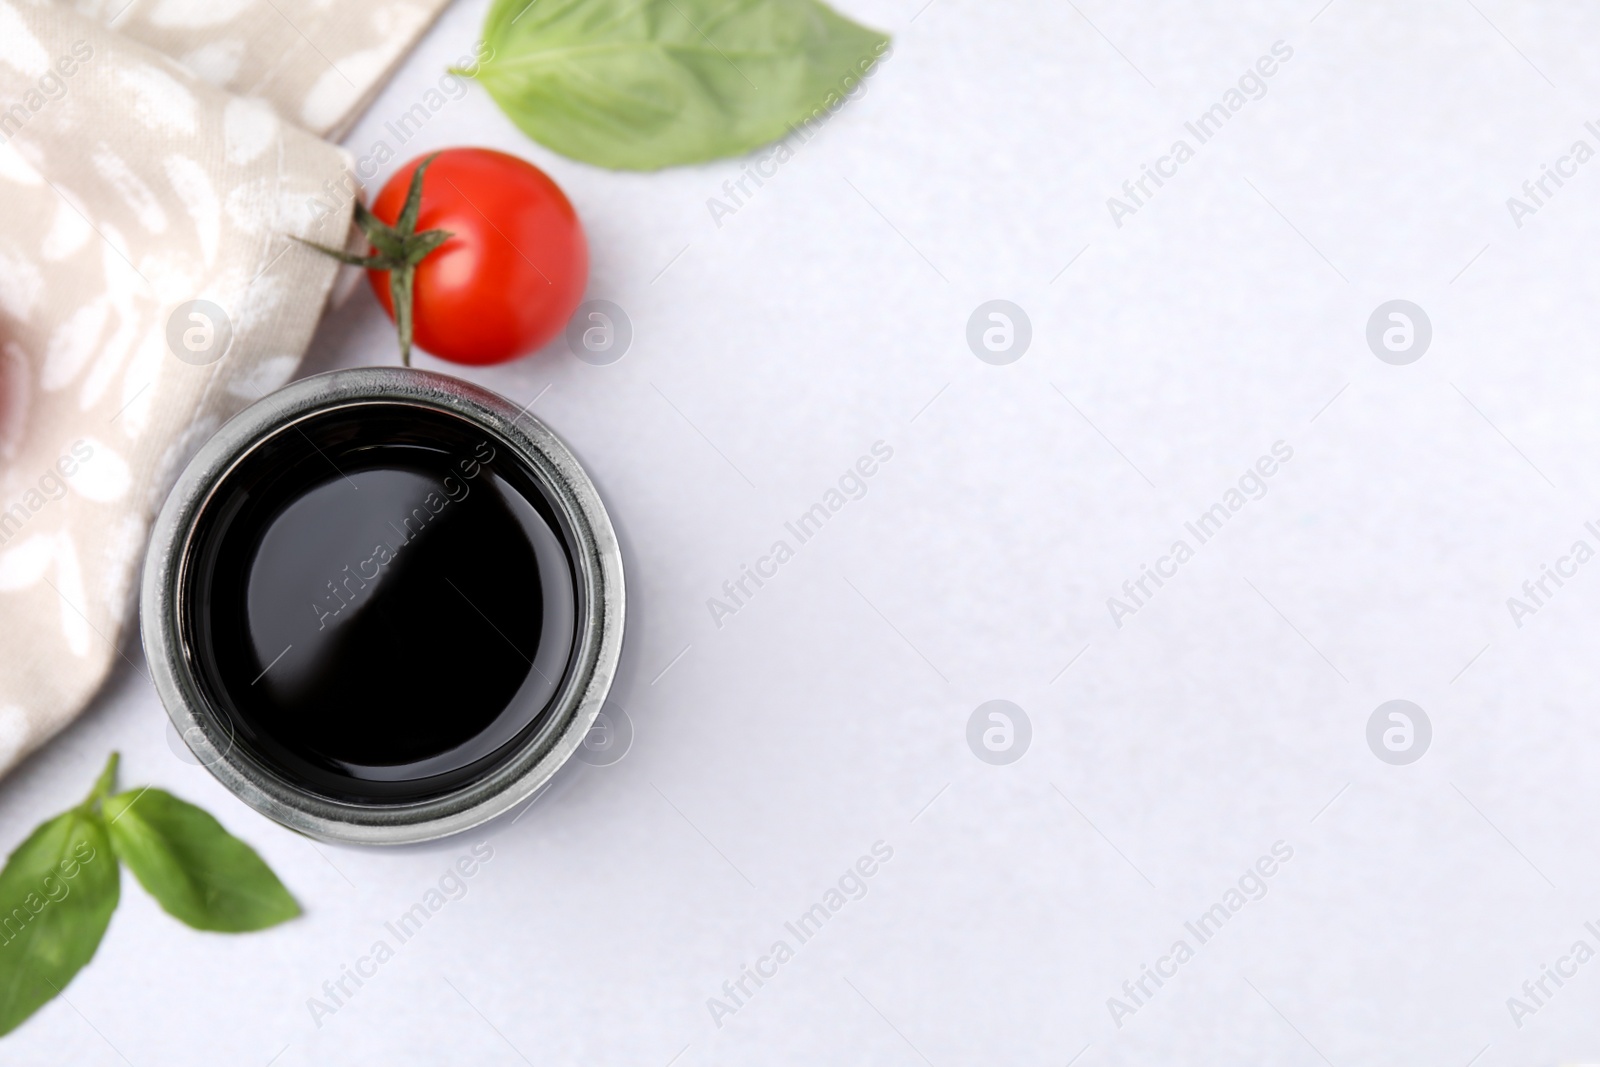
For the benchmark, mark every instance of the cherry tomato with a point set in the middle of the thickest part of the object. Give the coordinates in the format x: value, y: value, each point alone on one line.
x: 515, y: 269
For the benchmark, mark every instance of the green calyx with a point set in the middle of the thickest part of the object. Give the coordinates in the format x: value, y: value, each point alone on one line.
x: 396, y: 249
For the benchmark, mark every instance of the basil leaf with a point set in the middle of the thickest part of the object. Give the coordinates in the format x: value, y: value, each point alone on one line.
x: 197, y: 871
x: 57, y: 893
x: 642, y: 84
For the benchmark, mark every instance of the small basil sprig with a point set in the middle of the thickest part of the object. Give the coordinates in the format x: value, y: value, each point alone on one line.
x: 60, y: 886
x: 643, y: 84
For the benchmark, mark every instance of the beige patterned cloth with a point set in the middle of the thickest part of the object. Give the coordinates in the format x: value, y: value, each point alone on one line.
x: 319, y: 62
x: 152, y: 154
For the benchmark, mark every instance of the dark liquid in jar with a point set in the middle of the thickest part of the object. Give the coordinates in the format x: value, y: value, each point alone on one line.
x: 381, y: 603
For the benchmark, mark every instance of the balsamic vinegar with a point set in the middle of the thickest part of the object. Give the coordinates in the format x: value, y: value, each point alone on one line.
x: 386, y: 603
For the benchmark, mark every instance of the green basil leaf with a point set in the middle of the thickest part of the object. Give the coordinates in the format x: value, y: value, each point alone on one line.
x: 642, y: 84
x: 57, y: 893
x: 197, y: 871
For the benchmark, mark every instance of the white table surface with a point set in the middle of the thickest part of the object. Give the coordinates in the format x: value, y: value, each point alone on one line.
x: 830, y: 712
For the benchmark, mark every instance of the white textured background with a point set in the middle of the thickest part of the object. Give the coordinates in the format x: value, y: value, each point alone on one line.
x: 830, y: 713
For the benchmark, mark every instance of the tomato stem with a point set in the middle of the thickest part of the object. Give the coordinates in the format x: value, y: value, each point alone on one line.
x: 396, y: 249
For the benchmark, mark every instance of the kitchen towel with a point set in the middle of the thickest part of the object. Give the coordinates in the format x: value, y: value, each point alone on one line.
x: 156, y: 159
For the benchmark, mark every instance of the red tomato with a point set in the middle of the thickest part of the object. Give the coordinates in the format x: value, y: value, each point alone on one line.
x: 514, y: 272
